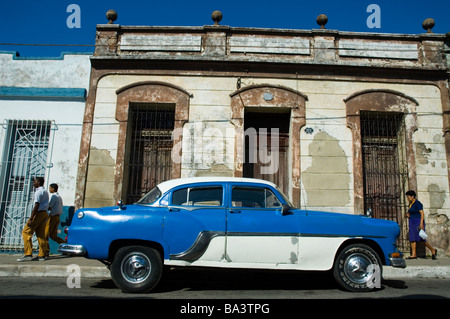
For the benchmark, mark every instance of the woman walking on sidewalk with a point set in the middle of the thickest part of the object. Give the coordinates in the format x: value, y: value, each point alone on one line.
x: 416, y: 223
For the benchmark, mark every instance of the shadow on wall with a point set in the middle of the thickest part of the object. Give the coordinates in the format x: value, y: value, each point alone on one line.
x: 327, y: 180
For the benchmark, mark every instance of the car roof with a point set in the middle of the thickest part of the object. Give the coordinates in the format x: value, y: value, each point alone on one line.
x: 167, y: 185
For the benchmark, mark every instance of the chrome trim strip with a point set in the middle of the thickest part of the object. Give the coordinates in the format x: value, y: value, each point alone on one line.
x: 341, y: 235
x: 198, y: 248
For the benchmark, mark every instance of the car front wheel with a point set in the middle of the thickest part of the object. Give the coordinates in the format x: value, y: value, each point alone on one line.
x: 358, y: 268
x: 136, y: 269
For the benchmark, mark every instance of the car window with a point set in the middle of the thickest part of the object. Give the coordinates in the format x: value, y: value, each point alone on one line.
x: 198, y: 196
x: 179, y: 197
x: 165, y: 200
x: 150, y: 197
x: 254, y: 197
x: 271, y: 200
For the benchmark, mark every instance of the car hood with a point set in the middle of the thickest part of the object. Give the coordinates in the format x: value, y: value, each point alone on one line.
x: 345, y: 225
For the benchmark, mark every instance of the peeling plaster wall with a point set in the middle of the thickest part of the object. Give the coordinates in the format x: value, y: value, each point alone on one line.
x: 327, y: 179
x: 431, y: 169
x: 326, y: 153
x: 432, y: 184
x: 326, y: 68
x: 208, y: 143
x: 68, y: 117
x: 69, y: 71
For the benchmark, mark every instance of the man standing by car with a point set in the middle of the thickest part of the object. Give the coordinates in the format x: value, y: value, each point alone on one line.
x: 36, y: 223
x: 55, y: 208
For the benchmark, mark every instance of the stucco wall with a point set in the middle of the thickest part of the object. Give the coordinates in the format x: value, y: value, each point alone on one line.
x: 326, y: 161
x: 67, y: 71
x: 326, y: 154
x: 66, y: 113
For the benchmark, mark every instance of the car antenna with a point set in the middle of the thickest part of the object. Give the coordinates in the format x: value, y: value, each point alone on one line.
x: 302, y: 199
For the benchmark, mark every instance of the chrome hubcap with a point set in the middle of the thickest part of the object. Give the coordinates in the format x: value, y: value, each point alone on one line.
x: 135, y: 267
x: 358, y: 268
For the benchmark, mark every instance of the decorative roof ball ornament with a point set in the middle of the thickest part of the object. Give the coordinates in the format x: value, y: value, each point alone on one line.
x: 216, y: 16
x: 111, y: 15
x: 322, y: 20
x: 428, y: 24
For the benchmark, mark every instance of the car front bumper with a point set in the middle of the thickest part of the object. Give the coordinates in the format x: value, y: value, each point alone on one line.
x: 78, y: 250
x: 397, y: 262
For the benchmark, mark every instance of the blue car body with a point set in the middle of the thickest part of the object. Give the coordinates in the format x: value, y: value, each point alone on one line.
x: 225, y: 231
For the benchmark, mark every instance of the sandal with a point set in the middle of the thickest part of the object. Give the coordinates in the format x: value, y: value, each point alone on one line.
x: 411, y: 257
x: 435, y: 255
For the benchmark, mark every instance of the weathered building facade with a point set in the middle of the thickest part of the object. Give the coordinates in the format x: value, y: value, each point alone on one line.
x: 340, y: 121
x: 42, y: 102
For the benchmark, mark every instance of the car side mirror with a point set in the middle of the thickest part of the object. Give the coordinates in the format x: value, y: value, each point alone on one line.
x: 286, y: 210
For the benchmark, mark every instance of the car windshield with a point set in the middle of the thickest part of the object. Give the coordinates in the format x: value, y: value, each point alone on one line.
x: 284, y: 197
x: 150, y: 197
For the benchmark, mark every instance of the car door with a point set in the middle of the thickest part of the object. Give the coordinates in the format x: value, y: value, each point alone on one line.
x: 194, y: 225
x: 257, y: 230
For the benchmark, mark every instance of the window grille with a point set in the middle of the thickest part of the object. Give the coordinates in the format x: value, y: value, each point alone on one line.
x: 385, y: 166
x: 25, y: 145
x: 149, y: 147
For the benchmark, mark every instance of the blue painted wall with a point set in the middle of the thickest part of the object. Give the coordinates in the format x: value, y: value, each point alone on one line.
x: 65, y: 220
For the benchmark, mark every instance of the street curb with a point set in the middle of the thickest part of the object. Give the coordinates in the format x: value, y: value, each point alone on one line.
x: 416, y: 272
x: 52, y: 271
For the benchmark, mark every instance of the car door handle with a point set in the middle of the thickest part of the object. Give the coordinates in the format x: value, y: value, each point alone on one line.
x: 172, y: 209
x: 232, y: 211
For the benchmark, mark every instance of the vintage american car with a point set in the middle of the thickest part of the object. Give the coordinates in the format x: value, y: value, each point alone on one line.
x: 232, y: 223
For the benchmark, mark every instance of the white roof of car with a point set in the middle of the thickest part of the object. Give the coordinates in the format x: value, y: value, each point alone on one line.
x: 167, y: 185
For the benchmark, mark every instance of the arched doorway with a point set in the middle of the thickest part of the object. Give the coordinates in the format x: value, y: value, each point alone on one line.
x: 382, y: 124
x: 278, y: 108
x: 149, y: 114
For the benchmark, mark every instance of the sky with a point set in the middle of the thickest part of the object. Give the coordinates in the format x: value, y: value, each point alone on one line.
x: 46, y: 28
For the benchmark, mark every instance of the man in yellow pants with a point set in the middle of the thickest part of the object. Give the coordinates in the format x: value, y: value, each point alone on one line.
x: 55, y: 208
x: 36, y: 223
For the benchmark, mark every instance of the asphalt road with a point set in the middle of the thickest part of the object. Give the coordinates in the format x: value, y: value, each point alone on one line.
x: 223, y: 284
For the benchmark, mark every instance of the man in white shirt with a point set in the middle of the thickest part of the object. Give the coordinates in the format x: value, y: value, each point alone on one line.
x: 55, y: 210
x: 36, y: 223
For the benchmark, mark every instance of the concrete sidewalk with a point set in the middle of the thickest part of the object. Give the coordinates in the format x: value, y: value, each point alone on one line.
x: 57, y: 266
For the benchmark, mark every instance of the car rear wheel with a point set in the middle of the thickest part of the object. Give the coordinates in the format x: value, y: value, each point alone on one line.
x: 358, y: 268
x: 136, y: 269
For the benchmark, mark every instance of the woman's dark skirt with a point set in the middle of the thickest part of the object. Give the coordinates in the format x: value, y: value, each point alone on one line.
x: 414, y: 228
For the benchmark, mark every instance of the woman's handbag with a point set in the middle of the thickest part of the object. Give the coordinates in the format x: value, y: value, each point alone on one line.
x: 423, y: 234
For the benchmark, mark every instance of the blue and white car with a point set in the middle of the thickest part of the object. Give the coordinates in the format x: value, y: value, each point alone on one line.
x: 231, y: 223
